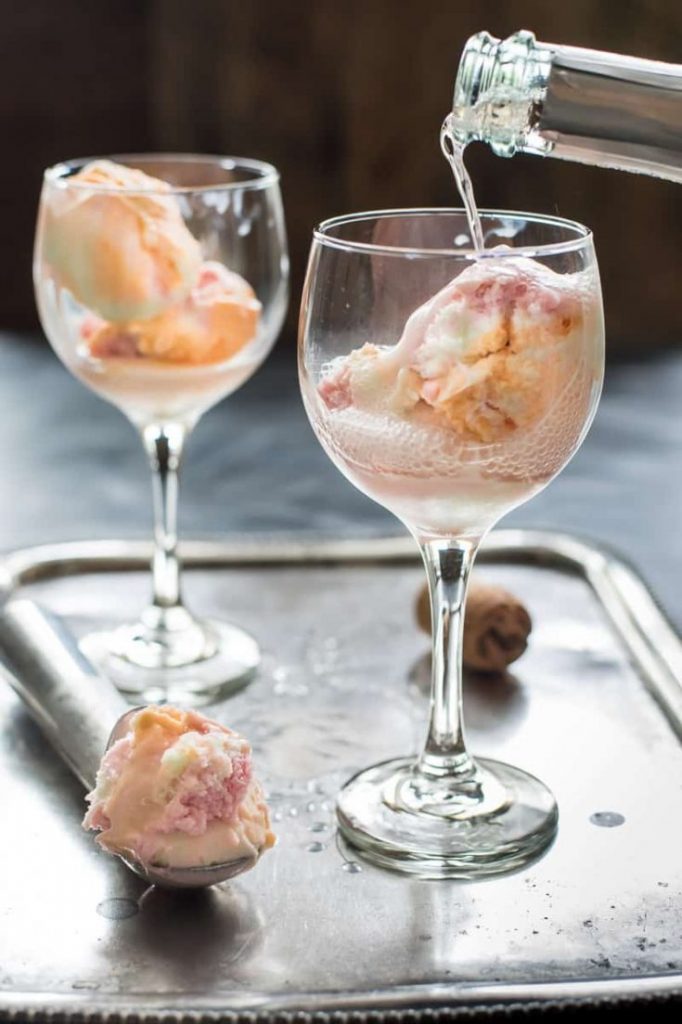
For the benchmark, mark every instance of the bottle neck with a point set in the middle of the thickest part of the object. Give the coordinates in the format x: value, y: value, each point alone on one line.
x: 519, y: 95
x: 500, y: 86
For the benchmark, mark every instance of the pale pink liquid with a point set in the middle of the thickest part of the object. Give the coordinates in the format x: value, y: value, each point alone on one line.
x: 439, y: 484
x: 149, y: 390
x: 145, y: 390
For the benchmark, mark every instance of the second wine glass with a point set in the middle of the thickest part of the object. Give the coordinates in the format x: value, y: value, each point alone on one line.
x: 162, y: 283
x: 449, y: 385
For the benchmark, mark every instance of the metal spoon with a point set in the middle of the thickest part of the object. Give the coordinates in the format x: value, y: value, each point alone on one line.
x: 74, y: 706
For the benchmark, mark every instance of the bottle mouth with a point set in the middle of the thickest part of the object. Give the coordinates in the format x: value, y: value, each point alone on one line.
x: 475, y: 66
x: 499, y: 85
x: 489, y: 63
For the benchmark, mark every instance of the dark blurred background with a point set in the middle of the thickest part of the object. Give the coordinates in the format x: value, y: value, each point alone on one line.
x: 346, y: 97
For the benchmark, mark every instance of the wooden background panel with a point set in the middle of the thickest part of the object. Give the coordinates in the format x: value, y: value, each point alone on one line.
x: 73, y: 77
x: 346, y: 97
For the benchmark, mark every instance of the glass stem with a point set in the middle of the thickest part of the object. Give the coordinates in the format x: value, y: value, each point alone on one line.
x: 448, y: 565
x: 164, y: 444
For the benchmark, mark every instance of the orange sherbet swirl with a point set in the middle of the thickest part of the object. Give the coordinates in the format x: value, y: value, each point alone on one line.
x: 116, y: 239
x: 177, y: 790
x: 219, y: 317
x: 490, y: 355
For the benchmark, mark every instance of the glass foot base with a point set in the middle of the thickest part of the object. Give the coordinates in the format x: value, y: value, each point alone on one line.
x: 495, y: 822
x: 195, y: 664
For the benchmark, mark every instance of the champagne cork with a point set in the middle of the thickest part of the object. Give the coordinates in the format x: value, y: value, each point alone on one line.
x: 496, y: 626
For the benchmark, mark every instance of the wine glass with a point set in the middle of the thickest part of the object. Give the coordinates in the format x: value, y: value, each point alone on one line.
x: 161, y: 283
x: 449, y: 386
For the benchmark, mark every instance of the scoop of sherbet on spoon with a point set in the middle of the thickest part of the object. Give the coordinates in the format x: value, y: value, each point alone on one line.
x: 75, y: 706
x: 175, y: 797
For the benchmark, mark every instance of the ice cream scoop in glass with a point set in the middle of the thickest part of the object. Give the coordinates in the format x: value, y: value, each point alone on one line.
x: 161, y: 283
x: 450, y: 385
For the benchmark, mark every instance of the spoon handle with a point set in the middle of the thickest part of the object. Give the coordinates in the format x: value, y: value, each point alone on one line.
x: 75, y: 707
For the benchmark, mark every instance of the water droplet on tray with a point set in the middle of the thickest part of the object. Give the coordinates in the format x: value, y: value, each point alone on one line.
x: 315, y: 786
x: 117, y: 909
x: 315, y: 847
x: 352, y: 867
x: 607, y: 819
x: 284, y: 689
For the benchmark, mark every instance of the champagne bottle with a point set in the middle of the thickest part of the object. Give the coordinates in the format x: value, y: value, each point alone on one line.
x: 521, y: 96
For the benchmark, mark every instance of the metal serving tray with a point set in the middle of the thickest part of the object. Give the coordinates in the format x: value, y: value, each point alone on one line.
x: 594, y: 708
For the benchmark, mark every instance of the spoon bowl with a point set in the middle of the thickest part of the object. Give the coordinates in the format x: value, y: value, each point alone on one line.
x: 200, y: 877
